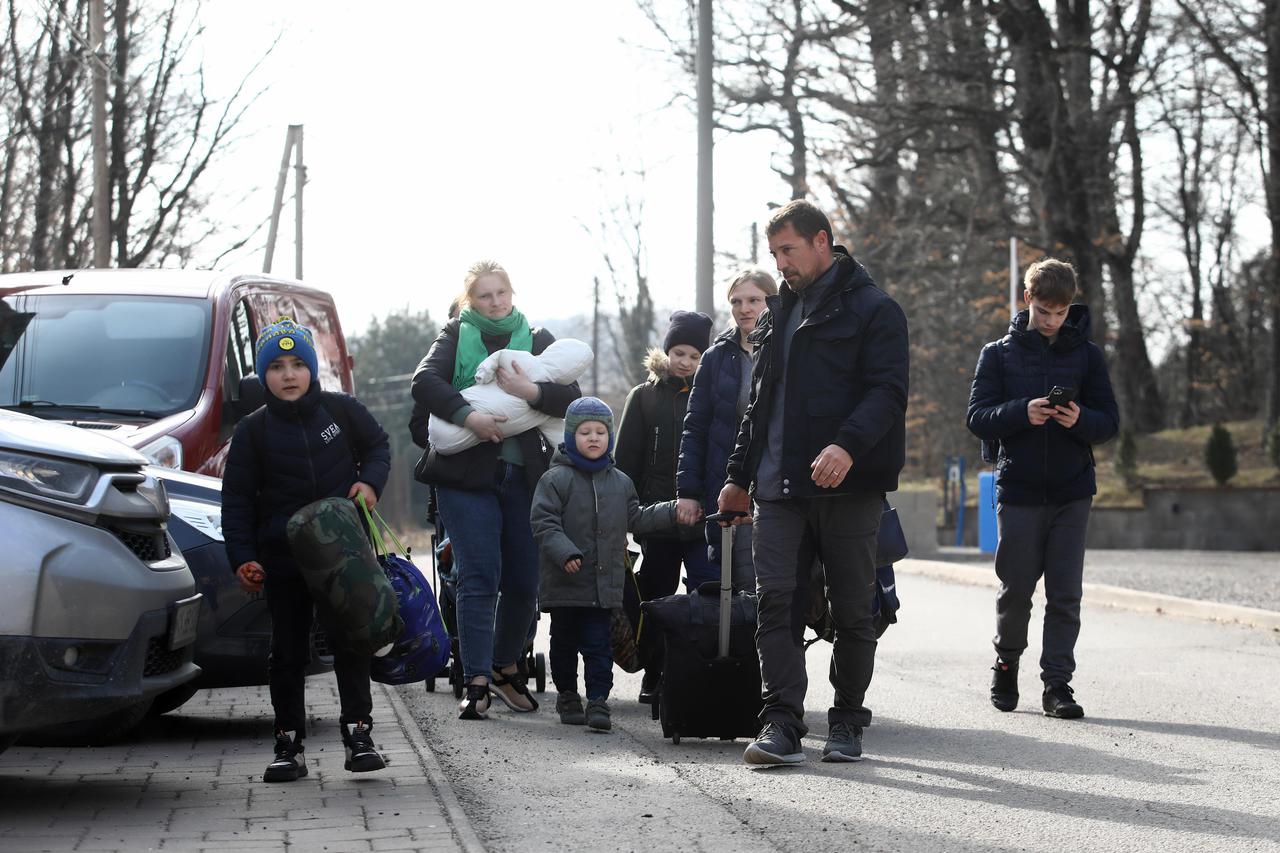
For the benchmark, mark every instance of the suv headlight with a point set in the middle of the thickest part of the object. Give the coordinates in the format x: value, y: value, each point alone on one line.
x: 60, y: 479
x: 204, y: 517
x: 165, y: 451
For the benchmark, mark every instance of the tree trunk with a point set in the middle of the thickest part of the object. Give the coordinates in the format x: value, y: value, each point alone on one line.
x: 1271, y: 27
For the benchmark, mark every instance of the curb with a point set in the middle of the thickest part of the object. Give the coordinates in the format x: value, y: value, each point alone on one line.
x: 463, y: 831
x: 1110, y: 596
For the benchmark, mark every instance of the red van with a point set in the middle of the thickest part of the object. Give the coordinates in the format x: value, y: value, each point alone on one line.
x: 155, y: 358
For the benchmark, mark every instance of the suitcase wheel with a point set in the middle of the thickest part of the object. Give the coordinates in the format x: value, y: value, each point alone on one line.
x: 431, y: 685
x: 675, y: 739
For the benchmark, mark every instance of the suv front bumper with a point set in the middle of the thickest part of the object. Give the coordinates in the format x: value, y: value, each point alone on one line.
x: 47, y: 681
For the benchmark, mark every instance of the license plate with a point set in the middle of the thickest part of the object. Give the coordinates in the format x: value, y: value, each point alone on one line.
x: 183, y: 622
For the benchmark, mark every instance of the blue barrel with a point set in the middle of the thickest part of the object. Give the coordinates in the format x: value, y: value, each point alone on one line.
x: 988, y: 532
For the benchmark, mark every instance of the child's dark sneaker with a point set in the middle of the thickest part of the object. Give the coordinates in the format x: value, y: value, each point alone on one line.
x: 362, y: 755
x: 289, y: 765
x: 569, y: 707
x: 1004, y: 685
x: 598, y: 716
x: 1059, y: 701
x: 776, y: 744
x: 844, y: 743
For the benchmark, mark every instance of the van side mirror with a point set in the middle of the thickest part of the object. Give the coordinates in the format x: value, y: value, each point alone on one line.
x: 251, y: 396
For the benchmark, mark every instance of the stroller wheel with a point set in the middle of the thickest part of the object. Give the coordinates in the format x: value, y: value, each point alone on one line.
x: 431, y: 685
x: 455, y: 678
x: 540, y: 672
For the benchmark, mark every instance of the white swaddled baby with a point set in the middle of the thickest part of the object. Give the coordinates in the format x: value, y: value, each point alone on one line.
x: 562, y: 362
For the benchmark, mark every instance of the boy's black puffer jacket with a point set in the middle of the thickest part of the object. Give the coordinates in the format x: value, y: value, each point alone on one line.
x: 1047, y: 464
x: 305, y: 457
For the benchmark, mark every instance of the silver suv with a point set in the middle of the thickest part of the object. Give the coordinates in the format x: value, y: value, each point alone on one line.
x: 100, y: 609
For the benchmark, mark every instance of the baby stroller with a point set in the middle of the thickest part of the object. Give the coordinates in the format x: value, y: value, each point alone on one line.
x: 533, y: 666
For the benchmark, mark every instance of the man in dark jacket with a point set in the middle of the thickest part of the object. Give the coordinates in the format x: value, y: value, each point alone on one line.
x: 822, y: 441
x: 1044, y: 473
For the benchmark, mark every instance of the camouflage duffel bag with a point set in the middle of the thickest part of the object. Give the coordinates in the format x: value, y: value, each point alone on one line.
x: 351, y: 591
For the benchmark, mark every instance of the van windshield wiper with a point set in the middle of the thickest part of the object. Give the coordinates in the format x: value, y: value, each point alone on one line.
x: 83, y: 407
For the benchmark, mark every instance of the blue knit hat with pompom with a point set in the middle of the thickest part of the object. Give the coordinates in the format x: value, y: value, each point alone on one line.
x: 284, y: 337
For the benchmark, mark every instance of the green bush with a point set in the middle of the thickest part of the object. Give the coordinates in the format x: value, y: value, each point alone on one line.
x: 1126, y: 459
x: 1220, y: 455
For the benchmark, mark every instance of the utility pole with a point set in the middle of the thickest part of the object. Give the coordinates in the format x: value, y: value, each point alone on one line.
x: 292, y: 142
x: 706, y: 250
x: 101, y: 190
x: 1013, y: 278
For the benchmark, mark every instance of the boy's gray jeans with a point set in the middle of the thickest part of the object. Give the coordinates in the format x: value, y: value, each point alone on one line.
x: 788, y: 535
x: 1040, y: 541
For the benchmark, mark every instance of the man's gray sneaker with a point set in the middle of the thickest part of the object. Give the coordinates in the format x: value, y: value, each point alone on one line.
x: 844, y: 743
x: 776, y: 744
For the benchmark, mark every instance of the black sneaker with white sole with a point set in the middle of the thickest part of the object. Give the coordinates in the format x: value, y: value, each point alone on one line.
x: 362, y: 755
x: 289, y: 765
x: 777, y: 744
x: 844, y: 743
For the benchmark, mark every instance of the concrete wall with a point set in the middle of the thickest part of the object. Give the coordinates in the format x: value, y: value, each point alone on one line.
x: 1192, y: 519
x: 918, y: 512
x: 1177, y: 519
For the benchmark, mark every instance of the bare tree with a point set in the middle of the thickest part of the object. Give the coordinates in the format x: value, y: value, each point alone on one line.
x: 166, y: 131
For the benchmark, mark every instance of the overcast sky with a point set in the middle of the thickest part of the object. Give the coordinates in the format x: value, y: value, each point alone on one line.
x: 440, y: 133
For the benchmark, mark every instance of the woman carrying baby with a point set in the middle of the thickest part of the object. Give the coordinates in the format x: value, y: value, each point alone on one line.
x: 485, y: 492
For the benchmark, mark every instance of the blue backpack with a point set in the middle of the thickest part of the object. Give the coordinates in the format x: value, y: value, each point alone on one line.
x: 422, y: 649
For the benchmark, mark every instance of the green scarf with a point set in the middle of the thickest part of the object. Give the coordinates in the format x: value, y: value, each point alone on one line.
x: 471, y: 349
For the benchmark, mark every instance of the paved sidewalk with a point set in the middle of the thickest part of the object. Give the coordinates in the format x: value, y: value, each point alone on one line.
x: 192, y: 780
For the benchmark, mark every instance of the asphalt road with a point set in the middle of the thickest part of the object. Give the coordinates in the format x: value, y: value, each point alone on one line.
x: 1245, y: 578
x: 1180, y: 750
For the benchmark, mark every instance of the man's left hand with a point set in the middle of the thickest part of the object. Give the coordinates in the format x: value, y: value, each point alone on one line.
x: 831, y: 466
x: 516, y: 383
x: 1067, y: 415
x: 370, y: 496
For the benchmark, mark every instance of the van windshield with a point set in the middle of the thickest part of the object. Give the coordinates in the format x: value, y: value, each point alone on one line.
x: 112, y: 354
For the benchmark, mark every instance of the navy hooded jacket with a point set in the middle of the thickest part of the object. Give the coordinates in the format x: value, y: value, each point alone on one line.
x: 1048, y: 464
x: 305, y: 457
x: 711, y: 422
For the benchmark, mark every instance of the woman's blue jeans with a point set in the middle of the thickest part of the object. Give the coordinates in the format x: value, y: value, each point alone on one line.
x: 497, y: 574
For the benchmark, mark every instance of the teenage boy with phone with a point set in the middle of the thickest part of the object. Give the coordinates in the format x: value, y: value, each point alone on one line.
x: 1044, y: 473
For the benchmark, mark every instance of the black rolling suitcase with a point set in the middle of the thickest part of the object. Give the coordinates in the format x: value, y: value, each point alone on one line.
x: 710, y: 671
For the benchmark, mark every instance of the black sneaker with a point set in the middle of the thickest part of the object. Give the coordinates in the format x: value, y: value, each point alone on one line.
x: 569, y: 707
x: 844, y: 743
x: 1060, y: 702
x: 362, y: 755
x: 289, y: 765
x: 776, y: 744
x: 1004, y: 685
x: 598, y: 715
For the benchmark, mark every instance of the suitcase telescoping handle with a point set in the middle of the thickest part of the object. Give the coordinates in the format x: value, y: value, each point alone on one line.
x: 726, y: 572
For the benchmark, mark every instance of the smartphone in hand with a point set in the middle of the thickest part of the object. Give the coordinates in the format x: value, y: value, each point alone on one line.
x: 1061, y: 395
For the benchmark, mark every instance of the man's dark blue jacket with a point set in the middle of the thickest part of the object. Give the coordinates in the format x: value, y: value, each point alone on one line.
x: 711, y: 422
x: 305, y: 457
x: 847, y: 376
x: 1047, y: 464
